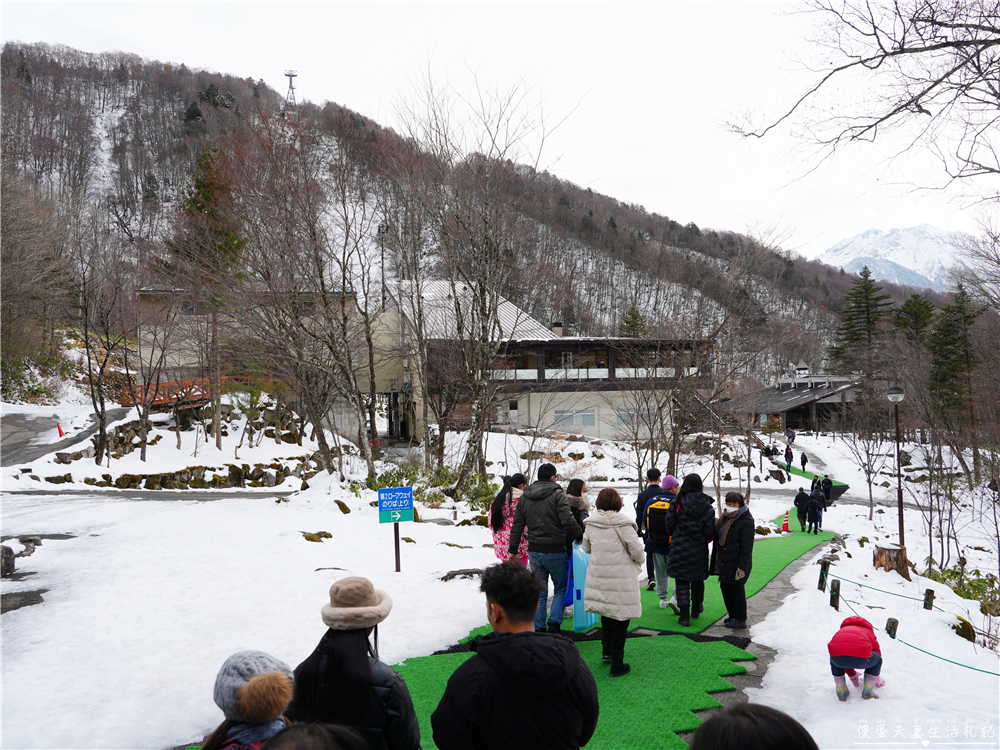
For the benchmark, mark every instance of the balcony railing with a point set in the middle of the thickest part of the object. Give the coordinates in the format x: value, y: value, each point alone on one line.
x: 592, y: 373
x: 577, y: 373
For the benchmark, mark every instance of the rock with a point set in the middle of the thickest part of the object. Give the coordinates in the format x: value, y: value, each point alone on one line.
x: 475, y: 521
x: 6, y: 561
x: 26, y: 471
x: 168, y: 482
x: 965, y: 630
x: 123, y: 481
x: 756, y: 478
x: 305, y: 486
x: 342, y: 505
x: 319, y: 536
x: 279, y: 478
x: 153, y: 482
x: 36, y: 477
x: 198, y: 484
x: 885, y: 484
x: 464, y: 573
x: 236, y: 476
x: 408, y: 540
x: 219, y: 482
x: 763, y: 530
x: 456, y: 546
x: 63, y: 458
x: 777, y: 474
x: 90, y: 480
x: 55, y: 480
x: 77, y: 456
x: 440, y: 521
x: 269, y: 480
x: 728, y: 477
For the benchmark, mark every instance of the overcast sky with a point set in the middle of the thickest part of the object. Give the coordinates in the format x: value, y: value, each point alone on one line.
x: 646, y: 91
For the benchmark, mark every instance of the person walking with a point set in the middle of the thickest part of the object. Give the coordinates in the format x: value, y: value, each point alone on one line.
x: 344, y: 682
x: 692, y: 528
x: 519, y: 689
x: 651, y: 491
x: 502, y: 518
x: 612, y: 588
x: 814, y: 509
x: 544, y: 510
x: 827, y: 485
x: 658, y: 544
x: 800, y: 507
x: 789, y: 456
x: 732, y: 557
x: 804, y: 459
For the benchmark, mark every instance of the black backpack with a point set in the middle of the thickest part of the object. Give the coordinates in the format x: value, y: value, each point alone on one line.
x: 656, y: 518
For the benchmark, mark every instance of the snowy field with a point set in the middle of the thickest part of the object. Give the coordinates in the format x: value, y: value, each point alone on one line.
x: 149, y: 597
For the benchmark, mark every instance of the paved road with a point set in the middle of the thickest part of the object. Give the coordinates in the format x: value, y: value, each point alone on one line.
x: 17, y: 431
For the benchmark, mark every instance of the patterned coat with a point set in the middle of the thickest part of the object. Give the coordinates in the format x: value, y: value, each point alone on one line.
x: 501, y: 538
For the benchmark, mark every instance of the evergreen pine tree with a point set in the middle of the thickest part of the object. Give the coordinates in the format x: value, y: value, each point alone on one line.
x: 856, y: 349
x: 953, y: 353
x: 633, y: 326
x: 913, y: 319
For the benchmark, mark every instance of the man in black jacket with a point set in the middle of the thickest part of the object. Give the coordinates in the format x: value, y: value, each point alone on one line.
x: 521, y: 689
x: 652, y: 490
x: 800, y: 507
x: 543, y: 508
x: 827, y: 485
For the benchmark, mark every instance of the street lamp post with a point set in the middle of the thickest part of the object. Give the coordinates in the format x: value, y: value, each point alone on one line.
x: 895, y: 395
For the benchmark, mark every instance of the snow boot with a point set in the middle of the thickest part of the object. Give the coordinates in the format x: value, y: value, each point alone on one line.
x: 841, y: 688
x: 618, y: 668
x: 554, y: 627
x: 697, y: 609
x: 870, y: 682
x: 685, y: 620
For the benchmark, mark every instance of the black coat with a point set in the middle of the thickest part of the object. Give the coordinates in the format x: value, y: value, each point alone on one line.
x: 692, y: 527
x: 737, y: 551
x: 640, y: 506
x: 390, y: 722
x: 827, y: 488
x: 813, y: 509
x: 800, y: 502
x: 520, y: 690
x: 545, y: 512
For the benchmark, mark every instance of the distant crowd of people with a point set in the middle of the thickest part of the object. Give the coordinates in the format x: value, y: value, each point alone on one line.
x: 525, y: 685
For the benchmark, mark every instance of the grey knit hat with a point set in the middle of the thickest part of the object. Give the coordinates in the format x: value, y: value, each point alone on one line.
x: 236, y: 672
x: 355, y: 604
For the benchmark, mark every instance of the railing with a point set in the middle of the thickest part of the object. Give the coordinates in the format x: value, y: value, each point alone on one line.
x: 514, y: 374
x: 577, y: 373
x: 625, y: 373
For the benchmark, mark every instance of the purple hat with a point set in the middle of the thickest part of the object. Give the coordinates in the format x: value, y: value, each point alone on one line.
x: 670, y: 482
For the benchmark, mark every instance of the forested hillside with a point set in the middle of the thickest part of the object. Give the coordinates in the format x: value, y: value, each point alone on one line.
x: 121, y: 136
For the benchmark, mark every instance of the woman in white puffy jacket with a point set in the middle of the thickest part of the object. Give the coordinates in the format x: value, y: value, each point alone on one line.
x: 612, y: 588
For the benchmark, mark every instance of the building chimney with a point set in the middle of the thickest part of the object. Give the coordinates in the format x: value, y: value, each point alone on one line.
x: 557, y: 328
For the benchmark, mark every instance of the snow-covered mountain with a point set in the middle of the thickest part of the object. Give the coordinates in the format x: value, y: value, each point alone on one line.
x: 916, y: 256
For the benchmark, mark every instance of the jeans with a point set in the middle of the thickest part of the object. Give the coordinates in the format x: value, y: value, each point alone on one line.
x: 840, y: 664
x: 662, y: 582
x: 545, y: 565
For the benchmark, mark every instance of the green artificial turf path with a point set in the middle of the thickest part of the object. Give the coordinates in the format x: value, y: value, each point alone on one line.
x: 770, y: 557
x: 671, y: 676
x: 671, y: 679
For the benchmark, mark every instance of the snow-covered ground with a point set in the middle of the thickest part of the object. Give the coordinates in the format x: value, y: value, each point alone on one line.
x: 148, y: 598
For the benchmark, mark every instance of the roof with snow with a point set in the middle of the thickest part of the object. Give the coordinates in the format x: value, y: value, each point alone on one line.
x: 440, y: 314
x: 786, y: 396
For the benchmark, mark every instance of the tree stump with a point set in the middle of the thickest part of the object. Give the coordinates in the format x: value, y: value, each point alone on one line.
x: 891, y: 557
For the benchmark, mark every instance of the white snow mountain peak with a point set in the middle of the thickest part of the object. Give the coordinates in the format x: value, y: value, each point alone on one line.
x: 919, y: 257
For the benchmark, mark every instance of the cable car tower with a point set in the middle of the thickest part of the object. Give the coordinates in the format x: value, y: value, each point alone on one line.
x: 290, y: 96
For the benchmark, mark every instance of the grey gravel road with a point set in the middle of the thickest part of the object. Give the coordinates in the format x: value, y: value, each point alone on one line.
x: 17, y: 431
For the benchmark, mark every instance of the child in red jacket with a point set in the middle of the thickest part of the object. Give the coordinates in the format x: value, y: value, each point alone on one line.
x: 853, y: 647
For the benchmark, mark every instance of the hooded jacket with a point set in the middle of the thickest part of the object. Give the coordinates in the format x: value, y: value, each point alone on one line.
x: 390, y: 721
x: 612, y: 587
x: 544, y: 510
x: 737, y: 552
x: 692, y: 527
x: 800, y: 501
x: 855, y: 638
x: 519, y: 690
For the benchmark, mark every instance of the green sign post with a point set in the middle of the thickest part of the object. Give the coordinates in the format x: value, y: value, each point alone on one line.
x: 394, y: 505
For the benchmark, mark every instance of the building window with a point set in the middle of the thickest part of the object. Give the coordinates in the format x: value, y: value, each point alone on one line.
x: 626, y: 417
x: 574, y: 418
x: 512, y: 406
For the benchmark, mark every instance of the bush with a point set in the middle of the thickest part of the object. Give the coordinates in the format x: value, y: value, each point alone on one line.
x: 970, y: 584
x: 14, y: 383
x: 480, y: 494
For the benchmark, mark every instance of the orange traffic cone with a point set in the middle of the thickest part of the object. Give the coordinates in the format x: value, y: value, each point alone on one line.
x: 59, y: 427
x: 784, y: 525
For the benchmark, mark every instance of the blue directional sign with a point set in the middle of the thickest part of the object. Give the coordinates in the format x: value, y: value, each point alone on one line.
x: 395, y: 505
